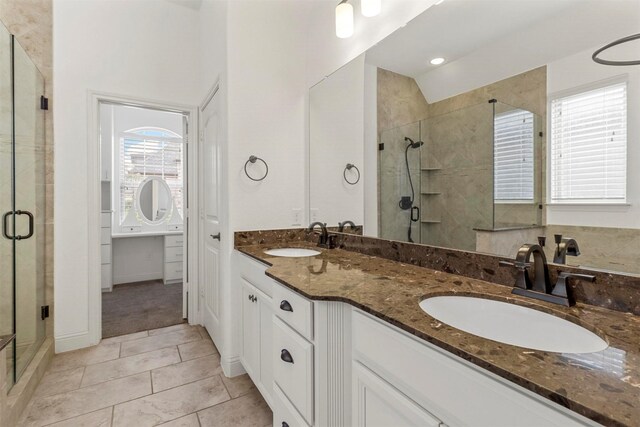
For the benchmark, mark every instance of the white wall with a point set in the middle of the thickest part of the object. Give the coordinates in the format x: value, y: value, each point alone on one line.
x: 579, y: 70
x: 143, y: 49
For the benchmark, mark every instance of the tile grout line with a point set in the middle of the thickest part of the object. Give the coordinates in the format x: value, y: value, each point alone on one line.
x: 113, y: 413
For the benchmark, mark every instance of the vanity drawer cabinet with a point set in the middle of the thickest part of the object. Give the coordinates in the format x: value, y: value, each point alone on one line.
x: 284, y: 414
x: 173, y: 254
x: 172, y: 271
x: 173, y: 241
x: 105, y: 236
x: 293, y: 368
x: 105, y: 220
x: 106, y: 275
x: 105, y: 254
x: 294, y: 310
x: 254, y: 272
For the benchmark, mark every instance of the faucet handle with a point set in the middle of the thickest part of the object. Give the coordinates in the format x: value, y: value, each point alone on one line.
x: 517, y: 264
x: 542, y: 240
x: 560, y: 289
x: 558, y: 238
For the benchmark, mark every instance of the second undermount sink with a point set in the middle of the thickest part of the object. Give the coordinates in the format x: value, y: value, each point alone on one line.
x: 292, y: 252
x: 512, y: 324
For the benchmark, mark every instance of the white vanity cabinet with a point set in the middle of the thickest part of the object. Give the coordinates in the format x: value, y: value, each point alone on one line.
x: 173, y: 258
x: 106, y: 252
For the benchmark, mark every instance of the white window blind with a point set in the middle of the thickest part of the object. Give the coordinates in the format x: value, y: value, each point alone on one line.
x: 150, y: 153
x: 589, y: 145
x: 513, y: 156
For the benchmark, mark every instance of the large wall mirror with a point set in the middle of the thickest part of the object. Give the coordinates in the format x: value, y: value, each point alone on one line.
x: 483, y: 125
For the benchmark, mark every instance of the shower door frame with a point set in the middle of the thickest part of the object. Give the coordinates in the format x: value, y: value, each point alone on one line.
x: 190, y: 289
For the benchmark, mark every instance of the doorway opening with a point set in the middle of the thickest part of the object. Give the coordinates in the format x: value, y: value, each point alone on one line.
x: 143, y: 193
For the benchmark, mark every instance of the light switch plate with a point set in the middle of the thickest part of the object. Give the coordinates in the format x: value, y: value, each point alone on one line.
x: 297, y: 217
x: 315, y: 214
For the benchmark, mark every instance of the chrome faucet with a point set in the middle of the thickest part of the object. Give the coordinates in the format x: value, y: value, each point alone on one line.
x: 564, y: 247
x: 324, y: 240
x: 342, y: 225
x: 540, y: 288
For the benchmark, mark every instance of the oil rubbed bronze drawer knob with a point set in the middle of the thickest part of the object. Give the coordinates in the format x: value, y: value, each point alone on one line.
x: 286, y: 356
x: 284, y: 424
x: 285, y: 306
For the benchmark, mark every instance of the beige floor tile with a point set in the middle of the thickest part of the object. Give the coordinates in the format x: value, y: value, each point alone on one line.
x: 190, y: 420
x: 249, y: 410
x: 237, y: 386
x: 101, y: 418
x: 171, y: 404
x: 157, y: 342
x: 126, y: 366
x: 185, y: 372
x: 58, y: 407
x: 174, y: 328
x: 59, y: 382
x: 195, y: 349
x: 85, y: 356
x: 128, y: 337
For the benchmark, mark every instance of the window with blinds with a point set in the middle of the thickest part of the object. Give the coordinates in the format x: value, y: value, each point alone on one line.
x: 513, y: 156
x: 149, y: 152
x: 589, y: 146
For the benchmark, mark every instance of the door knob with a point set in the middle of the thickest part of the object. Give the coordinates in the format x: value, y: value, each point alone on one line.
x: 215, y: 236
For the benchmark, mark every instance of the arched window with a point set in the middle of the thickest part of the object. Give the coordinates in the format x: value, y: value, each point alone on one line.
x: 150, y: 152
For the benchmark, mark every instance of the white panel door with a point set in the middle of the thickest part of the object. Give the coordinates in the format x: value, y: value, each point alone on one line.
x: 210, y: 292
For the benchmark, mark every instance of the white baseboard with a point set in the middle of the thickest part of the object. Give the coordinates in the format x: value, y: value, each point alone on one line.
x: 133, y: 278
x: 73, y: 342
x: 232, y: 367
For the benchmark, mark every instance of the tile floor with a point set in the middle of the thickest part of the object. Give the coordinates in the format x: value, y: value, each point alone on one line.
x: 169, y: 376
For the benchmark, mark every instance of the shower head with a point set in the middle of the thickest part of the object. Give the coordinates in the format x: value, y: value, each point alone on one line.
x: 412, y: 144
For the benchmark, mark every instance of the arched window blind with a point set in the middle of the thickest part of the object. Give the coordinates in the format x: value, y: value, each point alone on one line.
x: 589, y: 146
x: 513, y: 156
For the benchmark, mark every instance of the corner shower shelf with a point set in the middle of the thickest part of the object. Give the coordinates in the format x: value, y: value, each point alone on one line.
x: 431, y: 193
x: 431, y: 169
x: 430, y: 221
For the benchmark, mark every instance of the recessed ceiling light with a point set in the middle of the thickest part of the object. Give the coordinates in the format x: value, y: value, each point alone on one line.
x: 437, y: 61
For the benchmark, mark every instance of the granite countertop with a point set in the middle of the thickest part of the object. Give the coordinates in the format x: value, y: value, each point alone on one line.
x: 603, y: 386
x: 5, y: 340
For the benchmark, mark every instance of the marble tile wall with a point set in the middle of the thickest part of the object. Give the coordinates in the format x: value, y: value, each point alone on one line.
x: 400, y: 101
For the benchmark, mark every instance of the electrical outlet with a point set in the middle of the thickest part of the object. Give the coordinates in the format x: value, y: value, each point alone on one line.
x: 315, y: 214
x: 297, y: 217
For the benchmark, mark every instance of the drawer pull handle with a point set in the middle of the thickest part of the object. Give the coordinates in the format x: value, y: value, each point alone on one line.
x: 284, y: 424
x: 252, y: 298
x: 285, y: 306
x: 286, y: 356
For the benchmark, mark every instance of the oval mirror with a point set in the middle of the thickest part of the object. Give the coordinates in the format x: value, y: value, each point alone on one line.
x: 154, y: 200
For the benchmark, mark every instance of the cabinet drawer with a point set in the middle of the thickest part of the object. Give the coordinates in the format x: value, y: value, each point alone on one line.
x: 105, y: 236
x: 105, y: 219
x: 173, y: 254
x: 171, y: 241
x: 105, y: 254
x: 253, y: 271
x: 172, y: 270
x: 106, y: 276
x: 294, y: 310
x: 284, y: 414
x: 293, y: 368
x: 175, y: 227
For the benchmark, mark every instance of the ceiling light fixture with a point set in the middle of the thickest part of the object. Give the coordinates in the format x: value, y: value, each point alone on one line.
x: 370, y: 8
x: 437, y: 61
x: 344, y: 20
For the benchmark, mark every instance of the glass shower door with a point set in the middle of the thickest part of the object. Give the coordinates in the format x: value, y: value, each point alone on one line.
x: 29, y: 194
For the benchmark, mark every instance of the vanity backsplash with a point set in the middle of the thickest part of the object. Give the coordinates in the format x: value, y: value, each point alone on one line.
x: 613, y: 291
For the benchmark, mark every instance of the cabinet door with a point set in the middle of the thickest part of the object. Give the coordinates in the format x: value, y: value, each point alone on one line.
x: 266, y: 345
x: 376, y: 403
x: 250, y: 348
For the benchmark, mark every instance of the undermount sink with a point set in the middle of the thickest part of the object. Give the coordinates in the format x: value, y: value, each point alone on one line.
x: 292, y: 252
x: 512, y: 324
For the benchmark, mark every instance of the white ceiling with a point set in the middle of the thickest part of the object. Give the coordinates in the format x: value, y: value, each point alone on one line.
x: 481, y: 38
x: 191, y: 4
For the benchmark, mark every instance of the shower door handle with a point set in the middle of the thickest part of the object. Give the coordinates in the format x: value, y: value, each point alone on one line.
x: 31, y: 222
x: 415, y: 210
x: 5, y: 228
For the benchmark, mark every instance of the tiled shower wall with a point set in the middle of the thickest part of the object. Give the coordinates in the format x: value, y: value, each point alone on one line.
x: 31, y: 22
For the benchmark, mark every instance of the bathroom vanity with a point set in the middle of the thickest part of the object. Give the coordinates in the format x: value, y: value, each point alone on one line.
x: 340, y: 339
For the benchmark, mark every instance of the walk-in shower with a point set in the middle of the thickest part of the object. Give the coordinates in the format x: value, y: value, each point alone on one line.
x: 22, y: 204
x: 406, y: 202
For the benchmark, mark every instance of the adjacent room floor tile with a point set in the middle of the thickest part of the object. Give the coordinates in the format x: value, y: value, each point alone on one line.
x: 185, y: 372
x: 238, y: 386
x: 157, y: 342
x: 188, y: 421
x: 101, y: 418
x: 58, y: 407
x: 246, y: 411
x: 196, y: 349
x: 86, y: 356
x: 59, y: 382
x: 171, y: 404
x: 126, y: 366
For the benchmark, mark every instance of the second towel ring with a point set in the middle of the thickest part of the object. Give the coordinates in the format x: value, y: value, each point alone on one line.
x: 253, y: 159
x: 348, y: 168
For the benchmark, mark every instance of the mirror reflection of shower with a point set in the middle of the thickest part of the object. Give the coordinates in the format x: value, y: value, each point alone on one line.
x: 407, y: 202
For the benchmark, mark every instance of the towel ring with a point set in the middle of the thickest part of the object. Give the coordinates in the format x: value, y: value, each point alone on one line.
x: 612, y: 44
x: 349, y: 167
x: 253, y: 159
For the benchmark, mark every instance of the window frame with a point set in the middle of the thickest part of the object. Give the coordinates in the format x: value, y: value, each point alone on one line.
x: 576, y: 90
